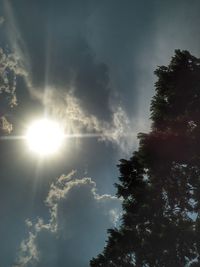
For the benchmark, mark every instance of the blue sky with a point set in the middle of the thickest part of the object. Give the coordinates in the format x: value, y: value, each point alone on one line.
x: 88, y: 64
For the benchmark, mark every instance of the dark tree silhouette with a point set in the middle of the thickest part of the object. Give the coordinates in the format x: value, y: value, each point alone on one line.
x: 160, y: 184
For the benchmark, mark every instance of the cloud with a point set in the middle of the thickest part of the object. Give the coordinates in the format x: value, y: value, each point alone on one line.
x: 56, y: 58
x: 8, y: 73
x: 5, y: 125
x: 9, y: 70
x: 76, y: 230
x: 69, y: 62
x: 100, y: 50
x: 66, y: 108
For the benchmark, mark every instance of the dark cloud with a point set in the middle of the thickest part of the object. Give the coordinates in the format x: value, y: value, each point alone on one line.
x: 106, y: 50
x: 58, y: 54
x: 120, y: 34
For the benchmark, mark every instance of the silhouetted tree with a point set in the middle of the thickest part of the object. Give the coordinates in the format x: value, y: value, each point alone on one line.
x: 160, y: 184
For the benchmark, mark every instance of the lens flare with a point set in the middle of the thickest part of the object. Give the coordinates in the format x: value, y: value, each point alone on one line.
x: 44, y: 137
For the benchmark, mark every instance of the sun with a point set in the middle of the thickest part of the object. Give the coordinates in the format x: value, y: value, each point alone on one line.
x: 44, y: 136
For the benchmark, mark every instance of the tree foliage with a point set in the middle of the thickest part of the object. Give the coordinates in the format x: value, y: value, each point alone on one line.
x: 160, y: 183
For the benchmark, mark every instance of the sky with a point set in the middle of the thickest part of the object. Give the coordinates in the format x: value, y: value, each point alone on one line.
x: 89, y: 65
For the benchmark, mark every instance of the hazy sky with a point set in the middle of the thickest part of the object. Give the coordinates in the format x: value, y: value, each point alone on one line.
x: 88, y: 64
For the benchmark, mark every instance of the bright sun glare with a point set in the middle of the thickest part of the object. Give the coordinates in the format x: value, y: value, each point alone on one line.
x: 44, y: 136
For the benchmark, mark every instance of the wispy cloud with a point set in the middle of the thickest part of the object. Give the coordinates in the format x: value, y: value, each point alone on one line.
x: 5, y: 125
x: 67, y: 108
x: 9, y: 70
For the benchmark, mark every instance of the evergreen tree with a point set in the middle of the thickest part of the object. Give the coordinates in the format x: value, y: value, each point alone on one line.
x: 160, y: 184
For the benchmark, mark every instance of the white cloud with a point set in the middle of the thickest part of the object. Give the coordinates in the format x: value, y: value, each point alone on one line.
x: 5, y: 125
x: 76, y: 230
x: 9, y: 70
x: 66, y: 107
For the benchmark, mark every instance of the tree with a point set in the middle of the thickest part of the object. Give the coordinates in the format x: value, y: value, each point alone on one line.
x: 160, y: 184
